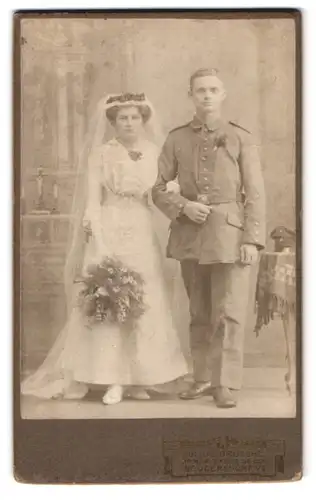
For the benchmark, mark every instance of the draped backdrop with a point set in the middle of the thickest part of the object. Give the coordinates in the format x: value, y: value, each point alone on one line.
x: 68, y: 64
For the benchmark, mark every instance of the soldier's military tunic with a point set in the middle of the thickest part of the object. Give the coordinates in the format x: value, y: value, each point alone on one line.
x: 219, y: 167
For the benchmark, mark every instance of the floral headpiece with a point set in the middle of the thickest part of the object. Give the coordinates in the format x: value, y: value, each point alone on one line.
x: 127, y: 98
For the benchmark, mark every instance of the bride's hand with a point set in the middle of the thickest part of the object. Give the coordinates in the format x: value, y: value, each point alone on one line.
x: 86, y: 224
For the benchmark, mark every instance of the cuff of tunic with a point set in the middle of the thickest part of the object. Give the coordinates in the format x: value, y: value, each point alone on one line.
x: 180, y: 208
x: 253, y: 240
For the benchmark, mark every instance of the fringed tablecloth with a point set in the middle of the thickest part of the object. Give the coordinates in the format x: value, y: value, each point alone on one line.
x: 276, y: 284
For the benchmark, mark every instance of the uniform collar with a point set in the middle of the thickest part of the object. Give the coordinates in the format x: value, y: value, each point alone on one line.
x: 197, y: 124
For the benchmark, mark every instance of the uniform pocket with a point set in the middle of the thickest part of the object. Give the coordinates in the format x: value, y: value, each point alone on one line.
x: 234, y: 220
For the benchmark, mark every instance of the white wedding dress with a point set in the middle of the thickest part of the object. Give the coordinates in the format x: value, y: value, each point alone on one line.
x: 124, y: 227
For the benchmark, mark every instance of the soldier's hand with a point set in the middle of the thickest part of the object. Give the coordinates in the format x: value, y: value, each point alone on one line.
x: 248, y: 254
x: 197, y: 212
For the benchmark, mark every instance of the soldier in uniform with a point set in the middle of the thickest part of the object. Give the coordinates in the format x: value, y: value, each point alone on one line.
x: 217, y: 228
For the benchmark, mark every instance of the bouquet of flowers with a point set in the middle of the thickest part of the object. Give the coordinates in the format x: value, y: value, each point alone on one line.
x: 112, y: 293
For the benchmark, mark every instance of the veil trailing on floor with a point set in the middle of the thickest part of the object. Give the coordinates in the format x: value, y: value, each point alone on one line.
x: 52, y: 379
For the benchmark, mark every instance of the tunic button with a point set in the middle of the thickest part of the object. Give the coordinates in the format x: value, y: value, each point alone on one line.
x: 203, y: 158
x: 205, y: 149
x: 207, y: 188
x: 205, y: 178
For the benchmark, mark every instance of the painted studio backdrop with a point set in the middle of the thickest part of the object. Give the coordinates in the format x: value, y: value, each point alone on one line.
x: 67, y: 65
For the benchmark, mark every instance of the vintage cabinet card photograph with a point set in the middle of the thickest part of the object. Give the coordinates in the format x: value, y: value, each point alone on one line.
x: 157, y: 170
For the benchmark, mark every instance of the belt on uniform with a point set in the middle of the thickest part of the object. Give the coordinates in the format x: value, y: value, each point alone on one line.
x: 207, y: 199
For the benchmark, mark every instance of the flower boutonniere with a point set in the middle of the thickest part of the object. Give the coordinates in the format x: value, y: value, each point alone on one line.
x: 220, y: 141
x: 135, y: 155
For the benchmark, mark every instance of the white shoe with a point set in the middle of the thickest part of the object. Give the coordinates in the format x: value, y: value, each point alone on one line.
x: 113, y: 395
x: 138, y: 393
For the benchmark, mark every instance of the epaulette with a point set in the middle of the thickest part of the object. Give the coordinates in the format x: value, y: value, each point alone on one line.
x: 179, y: 128
x: 239, y: 126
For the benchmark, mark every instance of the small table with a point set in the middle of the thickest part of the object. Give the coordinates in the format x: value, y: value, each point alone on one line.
x: 276, y: 297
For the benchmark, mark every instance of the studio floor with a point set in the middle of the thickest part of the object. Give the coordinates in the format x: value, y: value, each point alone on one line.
x: 264, y: 395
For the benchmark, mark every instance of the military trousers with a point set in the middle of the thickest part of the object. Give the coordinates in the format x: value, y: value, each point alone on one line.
x: 218, y: 297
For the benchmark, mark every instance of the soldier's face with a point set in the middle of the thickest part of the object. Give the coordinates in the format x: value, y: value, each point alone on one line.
x: 129, y: 123
x: 207, y: 94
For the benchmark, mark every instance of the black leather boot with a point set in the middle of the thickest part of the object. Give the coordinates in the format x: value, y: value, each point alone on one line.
x: 223, y: 397
x: 197, y: 390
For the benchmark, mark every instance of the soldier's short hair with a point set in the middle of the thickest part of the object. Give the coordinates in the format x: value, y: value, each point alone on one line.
x: 202, y: 72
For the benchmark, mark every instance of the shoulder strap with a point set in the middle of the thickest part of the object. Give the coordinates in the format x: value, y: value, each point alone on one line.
x: 239, y: 126
x: 179, y: 128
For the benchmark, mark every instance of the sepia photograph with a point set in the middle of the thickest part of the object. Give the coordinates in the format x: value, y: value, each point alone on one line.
x: 158, y: 234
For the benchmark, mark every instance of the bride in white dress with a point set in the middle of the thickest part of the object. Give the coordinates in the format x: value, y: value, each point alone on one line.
x: 117, y: 219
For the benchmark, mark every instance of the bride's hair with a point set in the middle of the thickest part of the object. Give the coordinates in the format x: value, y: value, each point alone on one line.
x: 128, y: 99
x: 144, y: 110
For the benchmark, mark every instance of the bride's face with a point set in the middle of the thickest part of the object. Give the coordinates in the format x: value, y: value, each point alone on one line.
x: 129, y: 123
